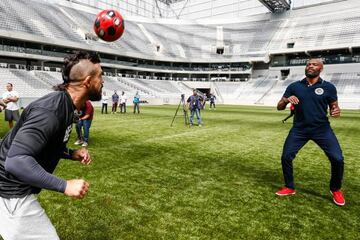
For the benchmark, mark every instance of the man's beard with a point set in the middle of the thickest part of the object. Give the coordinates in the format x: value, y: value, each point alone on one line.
x: 313, y: 74
x: 95, y: 95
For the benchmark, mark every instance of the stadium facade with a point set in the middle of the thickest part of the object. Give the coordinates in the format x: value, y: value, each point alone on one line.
x: 243, y: 60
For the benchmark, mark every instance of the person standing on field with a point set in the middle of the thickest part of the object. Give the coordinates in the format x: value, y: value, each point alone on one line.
x: 123, y: 99
x: 84, y: 123
x: 30, y: 152
x: 115, y: 100
x: 11, y: 98
x: 194, y: 104
x: 104, y: 101
x: 312, y: 97
x: 212, y: 101
x: 136, y: 101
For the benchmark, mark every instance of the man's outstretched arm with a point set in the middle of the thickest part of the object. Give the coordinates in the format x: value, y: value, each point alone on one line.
x: 26, y: 169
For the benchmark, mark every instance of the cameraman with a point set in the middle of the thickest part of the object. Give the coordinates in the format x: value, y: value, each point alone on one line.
x: 195, y: 105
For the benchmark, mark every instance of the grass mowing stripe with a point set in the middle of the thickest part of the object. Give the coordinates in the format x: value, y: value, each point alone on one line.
x: 152, y: 181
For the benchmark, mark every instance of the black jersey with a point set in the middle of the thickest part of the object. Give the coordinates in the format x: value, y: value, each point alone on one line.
x: 41, y: 132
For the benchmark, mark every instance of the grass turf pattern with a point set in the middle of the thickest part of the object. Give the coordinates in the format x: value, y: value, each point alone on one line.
x: 152, y: 181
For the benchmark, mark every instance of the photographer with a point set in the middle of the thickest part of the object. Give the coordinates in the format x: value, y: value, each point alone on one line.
x: 195, y: 105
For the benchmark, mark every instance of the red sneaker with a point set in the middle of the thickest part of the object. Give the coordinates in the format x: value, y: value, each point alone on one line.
x: 285, y: 191
x: 338, y: 198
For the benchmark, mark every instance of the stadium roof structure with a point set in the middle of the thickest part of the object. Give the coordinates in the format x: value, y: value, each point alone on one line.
x: 276, y: 6
x: 197, y: 9
x: 168, y: 2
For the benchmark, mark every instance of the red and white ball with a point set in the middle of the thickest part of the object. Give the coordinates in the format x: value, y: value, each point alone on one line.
x: 109, y: 25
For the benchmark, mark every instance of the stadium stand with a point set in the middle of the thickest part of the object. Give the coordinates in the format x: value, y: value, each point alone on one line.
x: 36, y: 18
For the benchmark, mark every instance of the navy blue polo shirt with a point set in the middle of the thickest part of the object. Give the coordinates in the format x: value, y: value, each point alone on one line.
x: 313, y: 102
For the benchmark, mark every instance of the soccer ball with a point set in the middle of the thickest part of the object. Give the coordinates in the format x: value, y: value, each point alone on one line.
x: 109, y: 25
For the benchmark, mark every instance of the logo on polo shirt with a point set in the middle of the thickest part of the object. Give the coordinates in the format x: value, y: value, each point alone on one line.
x: 319, y: 91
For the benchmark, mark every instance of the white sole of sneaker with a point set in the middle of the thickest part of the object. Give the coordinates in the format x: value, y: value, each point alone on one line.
x: 339, y: 204
x: 281, y: 195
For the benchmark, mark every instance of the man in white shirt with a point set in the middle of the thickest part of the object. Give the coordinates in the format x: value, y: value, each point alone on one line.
x: 10, y: 98
x: 104, y: 101
x: 123, y: 100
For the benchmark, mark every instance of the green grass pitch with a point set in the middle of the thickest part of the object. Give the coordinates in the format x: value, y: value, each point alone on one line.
x: 152, y: 181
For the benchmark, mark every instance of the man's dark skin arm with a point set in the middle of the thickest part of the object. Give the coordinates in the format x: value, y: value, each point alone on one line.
x: 284, y: 101
x: 334, y: 109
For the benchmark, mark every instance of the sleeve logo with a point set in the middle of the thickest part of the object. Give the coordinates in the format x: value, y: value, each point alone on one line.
x: 67, y: 133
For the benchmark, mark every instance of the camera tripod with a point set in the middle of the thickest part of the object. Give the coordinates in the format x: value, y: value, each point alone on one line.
x: 186, y: 118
